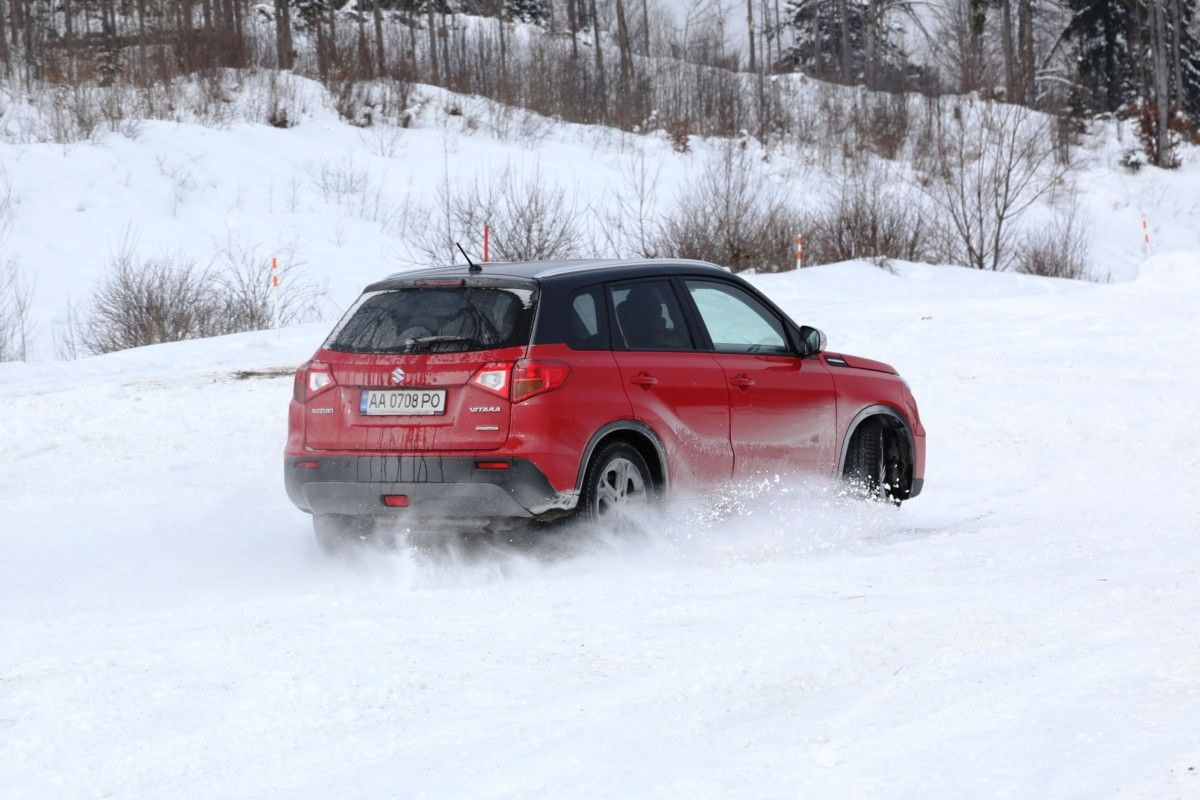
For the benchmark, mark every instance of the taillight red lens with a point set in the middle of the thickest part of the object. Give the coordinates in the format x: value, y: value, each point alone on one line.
x: 493, y: 378
x: 532, y: 377
x: 319, y: 378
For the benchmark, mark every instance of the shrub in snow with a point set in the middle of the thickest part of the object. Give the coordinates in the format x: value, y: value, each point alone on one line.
x: 1059, y: 250
x: 872, y: 215
x: 530, y: 220
x: 1133, y: 159
x: 172, y: 297
x: 731, y: 214
x: 162, y: 299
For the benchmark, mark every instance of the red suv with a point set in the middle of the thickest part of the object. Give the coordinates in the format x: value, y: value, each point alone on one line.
x: 484, y: 398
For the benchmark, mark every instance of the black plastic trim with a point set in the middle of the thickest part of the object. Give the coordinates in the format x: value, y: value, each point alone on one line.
x: 358, y: 477
x: 632, y: 426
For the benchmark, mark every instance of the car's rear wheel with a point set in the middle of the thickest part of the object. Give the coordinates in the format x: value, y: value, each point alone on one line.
x: 337, y: 533
x: 617, y: 488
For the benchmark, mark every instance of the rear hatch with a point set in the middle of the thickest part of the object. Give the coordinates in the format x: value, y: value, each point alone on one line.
x: 424, y: 366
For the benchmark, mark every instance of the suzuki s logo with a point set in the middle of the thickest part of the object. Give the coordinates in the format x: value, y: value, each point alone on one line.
x: 398, y: 375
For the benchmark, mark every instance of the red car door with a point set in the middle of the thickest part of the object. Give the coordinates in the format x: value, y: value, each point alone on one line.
x: 675, y: 388
x: 782, y: 407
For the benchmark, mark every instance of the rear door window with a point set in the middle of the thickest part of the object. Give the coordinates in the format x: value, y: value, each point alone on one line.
x: 420, y: 319
x: 649, y: 317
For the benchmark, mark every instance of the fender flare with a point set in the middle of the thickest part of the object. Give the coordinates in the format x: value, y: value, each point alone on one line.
x: 874, y: 410
x: 615, y: 426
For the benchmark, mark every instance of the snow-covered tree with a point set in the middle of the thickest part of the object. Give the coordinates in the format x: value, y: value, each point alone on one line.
x: 851, y: 41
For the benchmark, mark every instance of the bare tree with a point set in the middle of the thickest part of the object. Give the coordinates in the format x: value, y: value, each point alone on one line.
x: 630, y: 222
x: 380, y: 56
x: 16, y: 296
x: 958, y: 44
x: 750, y: 33
x: 990, y: 163
x: 529, y: 219
x: 283, y: 34
x: 626, y: 62
x: 732, y: 215
x: 1162, y: 99
x: 599, y: 48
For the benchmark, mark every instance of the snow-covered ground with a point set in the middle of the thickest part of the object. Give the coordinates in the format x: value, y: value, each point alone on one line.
x: 1028, y: 627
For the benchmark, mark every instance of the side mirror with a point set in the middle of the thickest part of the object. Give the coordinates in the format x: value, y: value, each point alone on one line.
x: 812, y: 341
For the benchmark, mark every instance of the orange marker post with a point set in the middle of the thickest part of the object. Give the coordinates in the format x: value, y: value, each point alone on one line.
x: 275, y: 291
x: 486, y: 231
x: 1145, y: 238
x: 799, y: 251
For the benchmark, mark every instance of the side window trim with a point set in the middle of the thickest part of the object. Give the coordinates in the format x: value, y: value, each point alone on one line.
x: 692, y: 314
x: 693, y: 309
x: 617, y: 336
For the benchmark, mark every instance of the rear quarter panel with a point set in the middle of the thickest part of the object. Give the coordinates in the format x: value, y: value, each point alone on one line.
x: 553, y: 429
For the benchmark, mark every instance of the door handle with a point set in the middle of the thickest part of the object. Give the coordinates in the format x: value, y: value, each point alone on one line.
x: 643, y: 380
x: 742, y: 382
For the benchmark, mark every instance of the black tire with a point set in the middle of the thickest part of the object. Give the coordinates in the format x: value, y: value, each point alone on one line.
x: 616, y: 488
x: 338, y: 533
x: 874, y: 468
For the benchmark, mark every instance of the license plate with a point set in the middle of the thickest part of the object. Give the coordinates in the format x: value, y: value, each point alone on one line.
x: 403, y: 402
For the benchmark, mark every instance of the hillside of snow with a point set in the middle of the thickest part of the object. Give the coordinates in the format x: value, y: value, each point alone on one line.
x: 1027, y: 627
x: 342, y: 205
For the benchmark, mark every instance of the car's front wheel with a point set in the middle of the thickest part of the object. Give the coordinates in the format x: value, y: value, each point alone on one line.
x: 875, y: 466
x: 338, y: 532
x: 617, y: 488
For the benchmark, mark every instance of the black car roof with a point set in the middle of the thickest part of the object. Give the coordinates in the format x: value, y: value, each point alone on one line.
x: 544, y: 271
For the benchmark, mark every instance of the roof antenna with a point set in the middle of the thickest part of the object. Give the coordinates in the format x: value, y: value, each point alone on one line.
x: 473, y: 266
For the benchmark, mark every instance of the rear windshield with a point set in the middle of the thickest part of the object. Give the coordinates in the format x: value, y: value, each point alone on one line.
x: 436, y: 320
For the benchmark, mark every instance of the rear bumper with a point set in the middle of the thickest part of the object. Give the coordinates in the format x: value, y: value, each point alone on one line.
x: 437, y: 487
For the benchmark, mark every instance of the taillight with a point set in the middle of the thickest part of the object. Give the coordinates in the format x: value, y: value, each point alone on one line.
x: 318, y: 378
x: 534, y: 376
x: 493, y: 378
x: 300, y: 381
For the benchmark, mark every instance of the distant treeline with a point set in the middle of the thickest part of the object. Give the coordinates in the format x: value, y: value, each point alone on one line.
x: 655, y: 70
